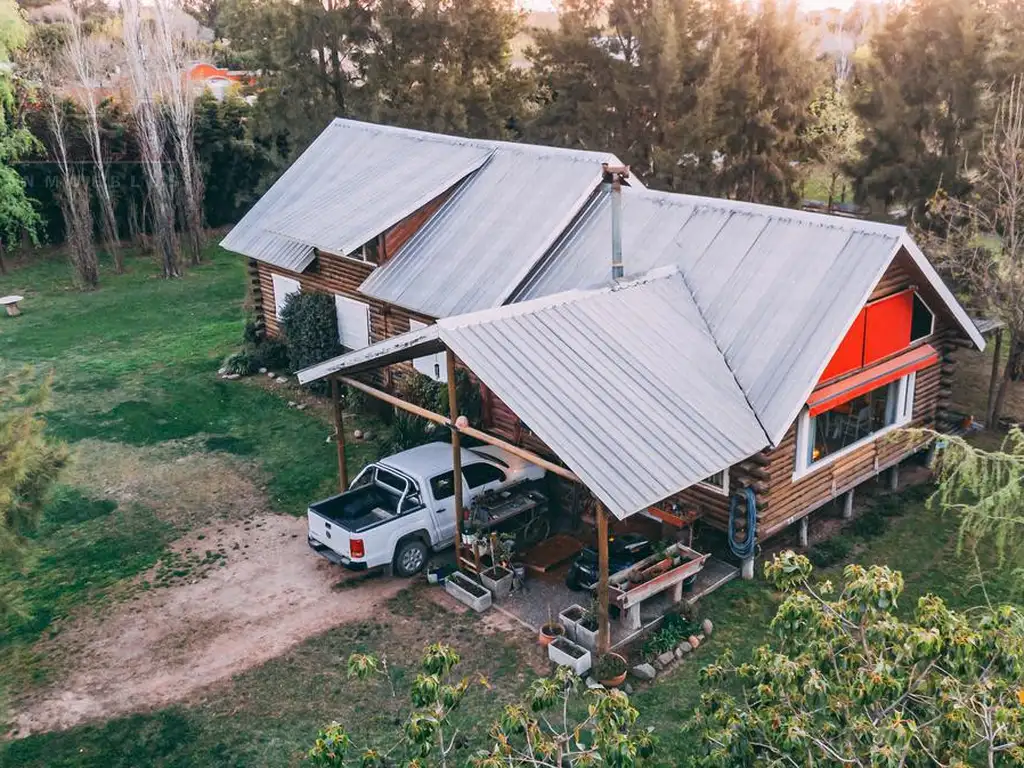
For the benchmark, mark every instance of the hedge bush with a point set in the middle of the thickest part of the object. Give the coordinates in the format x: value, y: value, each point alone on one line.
x: 311, y: 330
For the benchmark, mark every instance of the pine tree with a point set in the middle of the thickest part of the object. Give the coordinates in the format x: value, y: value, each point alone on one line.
x: 920, y: 95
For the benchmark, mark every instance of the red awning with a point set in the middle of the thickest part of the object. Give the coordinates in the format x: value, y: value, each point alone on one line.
x: 831, y: 395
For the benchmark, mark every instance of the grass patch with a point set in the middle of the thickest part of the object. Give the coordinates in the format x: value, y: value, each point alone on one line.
x: 135, y: 362
x: 85, y: 548
x: 269, y: 716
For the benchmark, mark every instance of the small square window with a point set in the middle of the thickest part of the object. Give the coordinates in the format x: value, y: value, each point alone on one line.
x: 922, y: 321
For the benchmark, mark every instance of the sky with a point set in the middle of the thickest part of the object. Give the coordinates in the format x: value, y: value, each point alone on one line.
x: 810, y: 5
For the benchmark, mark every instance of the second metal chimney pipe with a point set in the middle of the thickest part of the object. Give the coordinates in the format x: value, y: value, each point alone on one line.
x: 612, y: 177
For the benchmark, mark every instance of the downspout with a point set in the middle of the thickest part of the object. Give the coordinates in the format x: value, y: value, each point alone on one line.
x: 612, y: 178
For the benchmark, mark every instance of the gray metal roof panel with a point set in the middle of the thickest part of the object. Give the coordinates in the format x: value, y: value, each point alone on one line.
x: 357, y: 179
x: 778, y: 288
x: 490, y: 232
x: 352, y: 183
x: 626, y: 385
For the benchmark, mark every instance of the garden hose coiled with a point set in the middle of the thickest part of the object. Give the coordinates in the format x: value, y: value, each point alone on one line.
x: 743, y: 549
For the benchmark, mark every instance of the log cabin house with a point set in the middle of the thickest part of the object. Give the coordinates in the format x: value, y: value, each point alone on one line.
x: 753, y: 352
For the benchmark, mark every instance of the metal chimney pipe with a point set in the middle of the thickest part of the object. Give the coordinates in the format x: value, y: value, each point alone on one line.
x: 612, y: 177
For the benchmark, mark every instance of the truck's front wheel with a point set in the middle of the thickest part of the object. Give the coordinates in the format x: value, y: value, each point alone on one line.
x: 410, y: 557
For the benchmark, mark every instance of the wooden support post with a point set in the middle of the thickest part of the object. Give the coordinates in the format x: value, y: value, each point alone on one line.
x: 803, y: 531
x: 339, y: 438
x: 453, y: 414
x: 848, y: 505
x: 603, y: 630
x: 993, y: 381
x: 894, y: 477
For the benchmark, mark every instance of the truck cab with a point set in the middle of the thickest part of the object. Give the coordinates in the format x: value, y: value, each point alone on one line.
x: 400, y: 508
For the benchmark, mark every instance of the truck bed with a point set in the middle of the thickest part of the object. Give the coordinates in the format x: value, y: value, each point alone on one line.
x: 357, y: 510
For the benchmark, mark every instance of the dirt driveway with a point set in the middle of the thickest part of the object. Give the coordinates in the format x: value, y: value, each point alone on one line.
x: 165, y: 644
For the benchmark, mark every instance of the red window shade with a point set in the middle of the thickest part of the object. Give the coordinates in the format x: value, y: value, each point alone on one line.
x: 850, y: 355
x: 832, y: 395
x: 888, y: 326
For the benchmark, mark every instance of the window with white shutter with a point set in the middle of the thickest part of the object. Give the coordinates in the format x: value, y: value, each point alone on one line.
x: 283, y: 288
x: 435, y: 366
x: 353, y: 322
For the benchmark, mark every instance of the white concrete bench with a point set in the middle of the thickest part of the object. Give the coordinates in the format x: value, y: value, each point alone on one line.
x: 10, y: 303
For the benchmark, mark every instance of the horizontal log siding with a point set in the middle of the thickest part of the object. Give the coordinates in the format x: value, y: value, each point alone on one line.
x: 781, y: 500
x: 332, y: 274
x: 399, y: 234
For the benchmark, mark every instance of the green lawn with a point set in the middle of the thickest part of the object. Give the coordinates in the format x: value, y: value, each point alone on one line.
x: 134, y: 364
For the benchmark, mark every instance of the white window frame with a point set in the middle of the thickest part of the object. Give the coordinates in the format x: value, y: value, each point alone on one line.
x: 352, y: 334
x: 720, y: 488
x: 905, y: 390
x: 283, y: 288
x: 931, y: 331
x: 433, y: 366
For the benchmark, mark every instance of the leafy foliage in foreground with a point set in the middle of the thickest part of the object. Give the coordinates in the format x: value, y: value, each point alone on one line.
x: 29, y: 463
x: 848, y: 683
x: 539, y: 731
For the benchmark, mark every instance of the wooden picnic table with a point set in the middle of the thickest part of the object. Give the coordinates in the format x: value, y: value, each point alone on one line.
x: 10, y: 303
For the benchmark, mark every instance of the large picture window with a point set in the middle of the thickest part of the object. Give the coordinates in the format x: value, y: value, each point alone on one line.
x: 827, y: 435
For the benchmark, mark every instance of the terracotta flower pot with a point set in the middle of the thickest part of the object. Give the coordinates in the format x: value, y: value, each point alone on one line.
x: 549, y: 632
x: 616, y: 680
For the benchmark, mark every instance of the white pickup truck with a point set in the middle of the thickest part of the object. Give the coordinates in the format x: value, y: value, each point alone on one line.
x: 403, y: 506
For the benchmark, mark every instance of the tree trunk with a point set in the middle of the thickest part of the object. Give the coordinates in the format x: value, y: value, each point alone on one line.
x: 3, y: 266
x: 1012, y: 363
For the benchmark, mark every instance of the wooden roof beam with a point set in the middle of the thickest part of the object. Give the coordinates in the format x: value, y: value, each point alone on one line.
x: 480, y: 435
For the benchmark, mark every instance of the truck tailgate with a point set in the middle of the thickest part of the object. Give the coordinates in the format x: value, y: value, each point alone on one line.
x: 329, y: 534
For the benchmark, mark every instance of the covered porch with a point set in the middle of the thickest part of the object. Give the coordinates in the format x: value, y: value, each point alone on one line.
x: 627, y: 389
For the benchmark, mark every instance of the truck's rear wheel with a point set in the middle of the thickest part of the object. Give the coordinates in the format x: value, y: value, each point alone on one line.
x: 410, y: 557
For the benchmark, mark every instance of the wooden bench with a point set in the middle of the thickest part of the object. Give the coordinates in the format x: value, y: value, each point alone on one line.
x: 628, y: 596
x: 10, y: 303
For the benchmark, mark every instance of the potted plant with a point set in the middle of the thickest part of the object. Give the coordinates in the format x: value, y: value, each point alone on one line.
x: 586, y: 627
x: 467, y: 591
x: 565, y: 653
x: 550, y: 630
x: 610, y: 670
x: 498, y: 579
x: 569, y: 618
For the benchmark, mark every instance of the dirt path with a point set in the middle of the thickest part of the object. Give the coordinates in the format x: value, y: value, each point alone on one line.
x: 166, y: 644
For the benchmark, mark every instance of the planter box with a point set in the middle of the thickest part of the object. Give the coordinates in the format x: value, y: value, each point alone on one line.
x: 565, y: 653
x: 569, y: 618
x: 498, y: 580
x: 586, y: 637
x: 467, y: 591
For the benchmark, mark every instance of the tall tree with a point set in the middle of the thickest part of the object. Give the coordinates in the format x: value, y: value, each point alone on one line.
x: 920, y: 94
x: 310, y: 55
x: 18, y: 215
x: 981, y: 236
x: 834, y: 135
x: 170, y: 52
x: 152, y: 134
x: 90, y: 59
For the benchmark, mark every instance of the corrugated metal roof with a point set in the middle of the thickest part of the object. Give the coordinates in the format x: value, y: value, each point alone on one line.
x: 625, y: 384
x: 353, y: 182
x: 485, y: 239
x: 778, y: 288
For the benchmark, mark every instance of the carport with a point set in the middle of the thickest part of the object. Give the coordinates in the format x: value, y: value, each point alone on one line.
x: 625, y: 384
